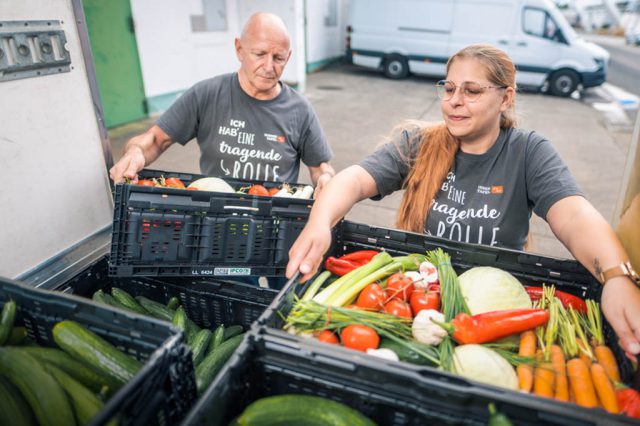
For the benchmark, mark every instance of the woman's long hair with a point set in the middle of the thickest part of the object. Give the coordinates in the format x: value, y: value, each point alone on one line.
x: 438, y: 146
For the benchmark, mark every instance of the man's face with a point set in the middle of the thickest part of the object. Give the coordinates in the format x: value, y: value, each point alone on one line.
x: 262, y: 57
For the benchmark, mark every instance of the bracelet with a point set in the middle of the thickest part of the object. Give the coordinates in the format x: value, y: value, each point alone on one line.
x: 623, y: 269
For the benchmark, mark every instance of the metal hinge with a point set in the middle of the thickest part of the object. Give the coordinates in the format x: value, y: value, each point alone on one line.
x: 132, y: 24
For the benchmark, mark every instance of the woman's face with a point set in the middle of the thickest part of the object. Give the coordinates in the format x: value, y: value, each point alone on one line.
x: 476, y: 114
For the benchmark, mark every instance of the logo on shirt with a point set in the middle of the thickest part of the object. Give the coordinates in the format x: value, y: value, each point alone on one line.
x: 496, y: 189
x: 274, y: 138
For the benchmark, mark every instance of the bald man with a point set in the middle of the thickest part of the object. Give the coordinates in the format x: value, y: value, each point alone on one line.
x: 248, y: 124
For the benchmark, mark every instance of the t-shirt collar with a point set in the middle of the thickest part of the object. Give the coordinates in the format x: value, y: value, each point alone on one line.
x: 495, y: 148
x: 236, y: 83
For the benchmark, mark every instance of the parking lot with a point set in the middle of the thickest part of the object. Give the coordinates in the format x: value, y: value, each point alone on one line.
x: 357, y: 109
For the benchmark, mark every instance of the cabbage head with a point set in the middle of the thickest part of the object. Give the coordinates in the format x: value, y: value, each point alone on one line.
x: 487, y: 289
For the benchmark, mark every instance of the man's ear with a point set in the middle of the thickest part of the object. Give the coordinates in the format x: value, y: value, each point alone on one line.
x: 238, y: 47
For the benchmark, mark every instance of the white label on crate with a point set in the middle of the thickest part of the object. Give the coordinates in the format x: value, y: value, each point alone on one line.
x: 232, y: 271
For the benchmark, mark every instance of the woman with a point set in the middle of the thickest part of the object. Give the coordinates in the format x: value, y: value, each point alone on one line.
x: 476, y: 178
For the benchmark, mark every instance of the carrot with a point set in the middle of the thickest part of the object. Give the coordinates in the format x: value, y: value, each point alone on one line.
x: 560, y: 369
x: 525, y: 371
x: 543, y: 376
x: 584, y: 350
x: 608, y: 361
x: 581, y: 383
x: 604, y: 388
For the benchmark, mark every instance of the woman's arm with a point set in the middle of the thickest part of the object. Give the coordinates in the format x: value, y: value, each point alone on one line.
x: 336, y: 199
x: 590, y: 239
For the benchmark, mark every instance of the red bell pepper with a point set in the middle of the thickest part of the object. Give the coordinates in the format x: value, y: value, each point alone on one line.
x: 535, y: 293
x: 629, y: 402
x: 491, y: 326
x: 360, y: 256
x: 347, y: 263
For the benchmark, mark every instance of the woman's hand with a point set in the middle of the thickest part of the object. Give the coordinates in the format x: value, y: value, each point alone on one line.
x: 621, y: 305
x: 306, y: 253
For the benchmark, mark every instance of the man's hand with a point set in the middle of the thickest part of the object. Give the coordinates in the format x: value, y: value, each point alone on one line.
x: 128, y: 166
x: 139, y: 152
x: 322, y: 181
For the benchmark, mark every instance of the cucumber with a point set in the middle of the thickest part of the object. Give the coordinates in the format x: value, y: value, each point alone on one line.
x: 213, y: 362
x: 127, y: 300
x: 155, y: 309
x: 104, y: 298
x: 200, y: 345
x: 14, y: 410
x: 404, y: 354
x: 17, y: 337
x: 292, y: 409
x: 232, y: 330
x: 179, y: 321
x: 173, y: 303
x: 85, y: 404
x: 44, y: 395
x: 217, y: 339
x: 6, y: 320
x: 75, y: 369
x: 98, y: 354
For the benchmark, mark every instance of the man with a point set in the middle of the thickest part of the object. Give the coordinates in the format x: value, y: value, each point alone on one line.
x: 248, y: 124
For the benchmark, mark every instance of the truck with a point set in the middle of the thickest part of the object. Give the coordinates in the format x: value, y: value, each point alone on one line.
x: 419, y: 36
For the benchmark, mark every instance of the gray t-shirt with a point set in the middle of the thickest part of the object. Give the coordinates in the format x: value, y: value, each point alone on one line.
x: 247, y: 138
x: 487, y: 198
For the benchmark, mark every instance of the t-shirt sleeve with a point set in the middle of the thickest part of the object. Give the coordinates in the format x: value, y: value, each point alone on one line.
x: 548, y: 177
x: 314, y: 148
x: 390, y: 164
x: 182, y: 119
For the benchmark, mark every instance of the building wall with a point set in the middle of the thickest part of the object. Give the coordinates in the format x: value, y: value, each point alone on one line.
x: 326, y: 31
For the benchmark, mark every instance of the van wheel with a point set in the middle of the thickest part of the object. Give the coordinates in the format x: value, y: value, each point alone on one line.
x: 563, y: 82
x: 396, y: 67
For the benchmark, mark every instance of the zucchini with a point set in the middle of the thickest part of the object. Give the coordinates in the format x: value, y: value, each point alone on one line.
x: 14, y: 410
x: 125, y: 299
x: 213, y: 362
x: 98, y: 354
x: 105, y: 298
x: 173, y: 303
x: 6, y: 320
x: 404, y: 354
x: 18, y: 336
x: 155, y: 309
x: 292, y: 409
x: 217, y: 339
x: 44, y: 395
x: 75, y: 369
x: 232, y: 330
x: 85, y: 404
x: 200, y: 345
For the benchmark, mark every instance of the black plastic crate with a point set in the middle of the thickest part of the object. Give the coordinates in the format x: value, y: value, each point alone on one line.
x: 174, y: 232
x: 208, y: 303
x: 530, y: 269
x: 164, y: 389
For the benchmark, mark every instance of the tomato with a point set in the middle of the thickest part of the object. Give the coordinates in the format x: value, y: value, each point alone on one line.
x: 173, y: 183
x: 258, y: 190
x: 372, y: 296
x: 328, y: 336
x: 399, y: 286
x: 421, y: 299
x: 273, y: 191
x: 146, y: 182
x: 398, y: 308
x: 359, y: 337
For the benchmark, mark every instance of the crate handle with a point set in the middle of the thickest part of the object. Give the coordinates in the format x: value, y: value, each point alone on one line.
x: 253, y: 209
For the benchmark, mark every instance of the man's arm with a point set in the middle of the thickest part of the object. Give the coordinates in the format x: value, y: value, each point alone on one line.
x: 320, y: 175
x: 140, y: 151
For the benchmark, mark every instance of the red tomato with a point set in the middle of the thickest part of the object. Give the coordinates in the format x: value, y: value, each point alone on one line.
x: 258, y: 190
x: 359, y: 337
x: 398, y: 308
x: 173, y: 182
x: 399, y: 286
x: 372, y: 297
x: 328, y: 336
x: 273, y: 191
x: 146, y: 182
x: 421, y: 299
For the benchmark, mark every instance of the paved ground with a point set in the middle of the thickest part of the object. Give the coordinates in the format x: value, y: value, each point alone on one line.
x: 357, y: 108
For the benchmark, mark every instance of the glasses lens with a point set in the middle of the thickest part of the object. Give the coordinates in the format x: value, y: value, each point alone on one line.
x: 472, y: 91
x: 445, y: 89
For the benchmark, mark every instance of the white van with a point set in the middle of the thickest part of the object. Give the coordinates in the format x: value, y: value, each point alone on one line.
x: 418, y: 36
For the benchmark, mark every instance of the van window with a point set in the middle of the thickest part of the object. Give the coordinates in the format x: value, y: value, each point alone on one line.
x: 539, y: 23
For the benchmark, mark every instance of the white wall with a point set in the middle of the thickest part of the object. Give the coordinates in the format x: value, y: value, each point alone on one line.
x: 325, y: 42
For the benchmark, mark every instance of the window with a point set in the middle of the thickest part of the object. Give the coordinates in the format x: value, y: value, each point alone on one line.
x: 539, y: 23
x: 213, y: 18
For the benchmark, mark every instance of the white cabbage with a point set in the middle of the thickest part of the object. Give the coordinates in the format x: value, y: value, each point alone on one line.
x: 213, y: 184
x: 479, y: 363
x: 487, y: 289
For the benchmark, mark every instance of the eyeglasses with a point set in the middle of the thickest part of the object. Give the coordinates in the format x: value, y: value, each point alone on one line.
x: 470, y: 90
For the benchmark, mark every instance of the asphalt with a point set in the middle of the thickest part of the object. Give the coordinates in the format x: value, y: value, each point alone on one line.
x: 357, y: 108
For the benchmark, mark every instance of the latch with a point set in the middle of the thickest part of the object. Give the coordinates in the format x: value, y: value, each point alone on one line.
x: 32, y: 49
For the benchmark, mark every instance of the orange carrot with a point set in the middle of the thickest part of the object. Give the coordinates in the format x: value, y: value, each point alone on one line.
x: 608, y: 361
x: 525, y: 371
x: 604, y: 388
x: 584, y: 350
x: 560, y: 369
x: 581, y: 383
x: 543, y: 376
